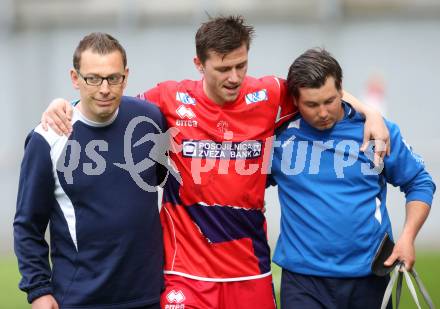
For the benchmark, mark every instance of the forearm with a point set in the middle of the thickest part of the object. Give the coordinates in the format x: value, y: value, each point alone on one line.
x: 416, y: 214
x: 34, y: 204
x: 404, y: 250
x: 32, y: 253
x: 364, y: 109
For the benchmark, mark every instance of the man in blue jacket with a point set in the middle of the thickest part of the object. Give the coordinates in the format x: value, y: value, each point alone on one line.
x: 333, y: 199
x: 105, y: 233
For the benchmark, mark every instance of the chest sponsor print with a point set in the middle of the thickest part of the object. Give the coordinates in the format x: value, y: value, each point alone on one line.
x: 258, y: 96
x: 185, y: 112
x: 222, y: 150
x: 185, y: 98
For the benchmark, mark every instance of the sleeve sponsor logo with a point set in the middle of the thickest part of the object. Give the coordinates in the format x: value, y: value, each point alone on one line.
x: 225, y: 150
x: 255, y: 97
x: 185, y: 98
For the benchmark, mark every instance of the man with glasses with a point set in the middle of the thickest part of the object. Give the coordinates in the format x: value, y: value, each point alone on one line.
x: 105, y: 231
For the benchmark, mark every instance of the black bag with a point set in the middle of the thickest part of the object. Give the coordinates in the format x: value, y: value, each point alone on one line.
x: 399, y: 271
x: 383, y: 252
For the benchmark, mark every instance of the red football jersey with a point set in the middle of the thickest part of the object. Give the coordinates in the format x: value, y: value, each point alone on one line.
x: 213, y: 223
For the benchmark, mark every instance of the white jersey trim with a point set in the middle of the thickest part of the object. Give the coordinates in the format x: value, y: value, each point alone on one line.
x: 170, y: 272
x: 231, y: 206
x: 279, y: 117
x: 278, y: 82
x: 377, y: 213
x: 56, y: 144
x: 174, y: 237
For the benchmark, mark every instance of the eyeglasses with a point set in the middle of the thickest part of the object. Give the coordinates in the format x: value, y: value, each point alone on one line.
x: 96, y: 80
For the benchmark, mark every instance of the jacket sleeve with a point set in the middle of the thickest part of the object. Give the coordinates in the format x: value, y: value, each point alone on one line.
x: 406, y: 169
x: 34, y: 203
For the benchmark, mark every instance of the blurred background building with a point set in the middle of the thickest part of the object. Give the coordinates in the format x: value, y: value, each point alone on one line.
x: 400, y: 39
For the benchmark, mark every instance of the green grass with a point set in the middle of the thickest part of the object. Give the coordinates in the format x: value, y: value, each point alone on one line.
x: 11, y: 297
x: 427, y: 266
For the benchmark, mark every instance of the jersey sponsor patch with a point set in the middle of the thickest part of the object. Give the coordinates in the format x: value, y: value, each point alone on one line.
x: 186, y: 123
x: 176, y: 297
x: 257, y: 96
x: 185, y: 112
x: 224, y: 150
x: 185, y: 98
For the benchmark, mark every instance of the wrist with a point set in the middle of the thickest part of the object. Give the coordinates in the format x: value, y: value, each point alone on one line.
x: 408, y: 236
x: 38, y: 292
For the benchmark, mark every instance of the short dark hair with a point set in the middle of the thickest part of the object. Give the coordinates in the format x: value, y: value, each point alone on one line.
x: 222, y: 35
x: 311, y: 70
x: 98, y: 42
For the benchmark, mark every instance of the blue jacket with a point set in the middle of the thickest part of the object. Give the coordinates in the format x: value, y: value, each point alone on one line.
x: 333, y: 201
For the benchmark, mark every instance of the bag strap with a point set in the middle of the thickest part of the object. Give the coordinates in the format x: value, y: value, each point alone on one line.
x: 399, y: 289
x: 422, y: 288
x: 389, y: 289
x: 411, y: 286
x: 397, y: 275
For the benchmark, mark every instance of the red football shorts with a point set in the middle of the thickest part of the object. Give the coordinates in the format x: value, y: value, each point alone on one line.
x: 185, y: 293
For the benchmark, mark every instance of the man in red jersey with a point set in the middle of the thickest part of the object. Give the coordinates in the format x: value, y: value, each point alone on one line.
x: 216, y: 250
